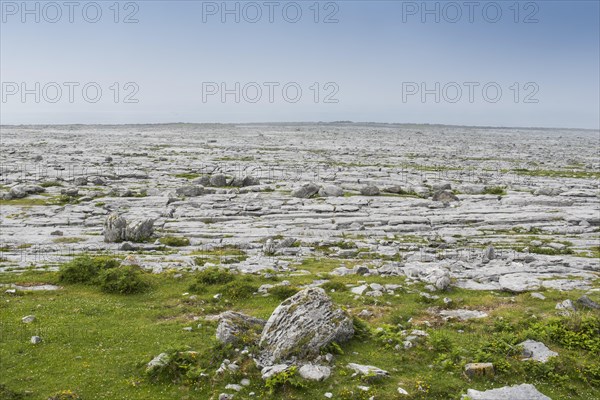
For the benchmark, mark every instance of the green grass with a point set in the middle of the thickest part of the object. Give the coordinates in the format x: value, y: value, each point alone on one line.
x: 50, y: 184
x: 497, y: 190
x: 69, y: 240
x: 221, y: 255
x: 97, y: 344
x: 174, y: 241
x: 556, y: 173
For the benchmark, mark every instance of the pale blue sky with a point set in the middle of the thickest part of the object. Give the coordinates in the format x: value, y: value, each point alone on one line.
x: 369, y: 56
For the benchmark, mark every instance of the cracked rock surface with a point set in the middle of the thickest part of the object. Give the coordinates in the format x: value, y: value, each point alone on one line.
x: 482, y: 209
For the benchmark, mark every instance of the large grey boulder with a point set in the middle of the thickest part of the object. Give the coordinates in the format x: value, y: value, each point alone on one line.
x: 306, y: 191
x: 139, y: 230
x: 237, y: 328
x: 218, y: 180
x: 370, y: 190
x: 245, y: 181
x: 114, y: 228
x: 301, y: 326
x: 517, y: 392
x: 117, y: 229
x: 204, y: 180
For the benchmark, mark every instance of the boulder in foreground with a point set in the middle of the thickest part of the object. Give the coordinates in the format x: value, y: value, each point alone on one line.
x: 301, y: 326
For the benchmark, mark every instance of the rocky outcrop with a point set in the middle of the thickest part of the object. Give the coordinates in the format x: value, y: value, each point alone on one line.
x: 21, y: 191
x: 301, y: 326
x: 118, y: 229
x: 237, y: 328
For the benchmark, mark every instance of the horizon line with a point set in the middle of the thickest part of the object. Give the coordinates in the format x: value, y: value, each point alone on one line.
x: 340, y: 122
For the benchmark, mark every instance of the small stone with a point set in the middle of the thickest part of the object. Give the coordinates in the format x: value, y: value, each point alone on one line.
x: 537, y: 295
x: 314, y: 372
x: 268, y: 372
x: 233, y: 386
x: 365, y: 314
x: 233, y: 367
x: 225, y: 396
x: 402, y: 391
x: 359, y: 289
x: 368, y: 370
x: 35, y: 339
x: 28, y: 319
x: 329, y: 395
x: 566, y: 305
x: 159, y: 361
x: 245, y: 382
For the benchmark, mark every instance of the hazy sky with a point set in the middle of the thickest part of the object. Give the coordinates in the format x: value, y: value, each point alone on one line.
x: 501, y: 63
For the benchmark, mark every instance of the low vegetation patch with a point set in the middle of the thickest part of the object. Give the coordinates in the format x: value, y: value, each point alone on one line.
x: 104, y: 272
x: 174, y: 241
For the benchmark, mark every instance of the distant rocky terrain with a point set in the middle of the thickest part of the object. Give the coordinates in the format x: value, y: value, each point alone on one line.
x: 490, y: 208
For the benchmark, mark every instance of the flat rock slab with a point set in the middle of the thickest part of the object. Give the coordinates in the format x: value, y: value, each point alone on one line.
x: 37, y: 287
x: 519, y: 392
x: 368, y: 370
x: 463, y: 315
x: 536, y: 351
